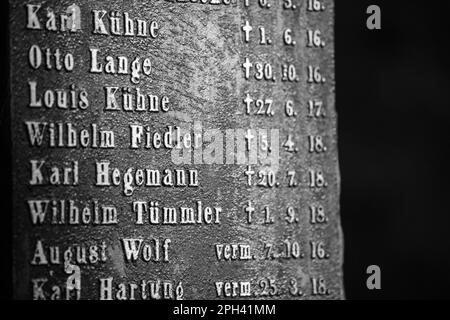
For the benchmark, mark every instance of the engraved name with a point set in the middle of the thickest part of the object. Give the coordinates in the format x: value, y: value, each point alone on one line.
x: 43, y: 173
x: 117, y: 24
x: 73, y: 254
x: 120, y: 65
x: 149, y: 250
x: 71, y: 212
x: 61, y: 98
x: 151, y: 212
x: 68, y: 21
x: 132, y: 178
x: 145, y: 290
x: 133, y: 99
x: 66, y: 135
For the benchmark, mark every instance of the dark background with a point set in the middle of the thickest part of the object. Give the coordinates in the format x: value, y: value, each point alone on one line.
x: 393, y: 91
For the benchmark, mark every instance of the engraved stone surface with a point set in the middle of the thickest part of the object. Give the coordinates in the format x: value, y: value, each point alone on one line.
x: 174, y: 150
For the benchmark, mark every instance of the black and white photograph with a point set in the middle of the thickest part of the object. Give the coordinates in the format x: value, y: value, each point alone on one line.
x: 225, y: 157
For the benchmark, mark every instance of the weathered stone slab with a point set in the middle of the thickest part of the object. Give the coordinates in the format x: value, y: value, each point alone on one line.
x: 174, y: 150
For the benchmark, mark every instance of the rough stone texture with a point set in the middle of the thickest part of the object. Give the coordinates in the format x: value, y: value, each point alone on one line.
x: 197, y: 62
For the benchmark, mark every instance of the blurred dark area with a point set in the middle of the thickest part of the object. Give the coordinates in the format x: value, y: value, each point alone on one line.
x: 5, y: 160
x: 393, y: 104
